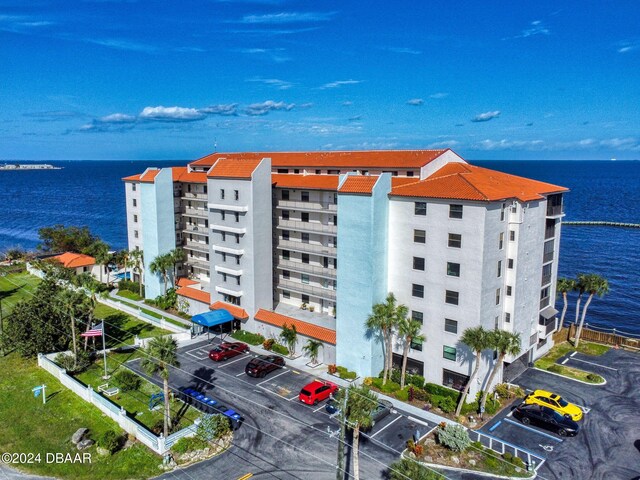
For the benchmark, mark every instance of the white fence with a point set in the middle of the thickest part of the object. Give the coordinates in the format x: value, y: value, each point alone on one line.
x: 158, y: 444
x: 185, y: 333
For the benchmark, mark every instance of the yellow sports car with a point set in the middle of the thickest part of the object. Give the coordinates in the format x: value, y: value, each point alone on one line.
x: 556, y: 402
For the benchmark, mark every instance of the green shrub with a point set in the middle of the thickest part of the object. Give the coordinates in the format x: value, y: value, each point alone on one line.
x: 402, y: 395
x: 555, y: 368
x: 434, y: 389
x: 503, y: 391
x: 133, y: 287
x: 416, y: 380
x: 167, y: 301
x: 127, y: 380
x: 281, y: 349
x: 447, y: 405
x: 109, y: 440
x: 248, y: 337
x: 454, y: 437
x: 592, y: 377
x: 421, y: 395
x: 66, y: 361
x: 345, y: 374
x: 376, y: 382
x: 508, y: 456
x: 518, y: 462
x: 389, y: 387
x: 268, y: 343
x: 492, y: 406
x: 212, y: 427
x: 189, y: 444
x: 492, y: 463
x: 468, y: 408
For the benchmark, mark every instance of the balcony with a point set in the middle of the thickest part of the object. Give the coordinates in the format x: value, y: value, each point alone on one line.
x: 225, y: 228
x: 324, y: 293
x: 196, y: 212
x: 554, y: 211
x: 203, y: 197
x: 308, y: 206
x: 197, y: 229
x: 311, y: 227
x: 308, y: 248
x: 228, y: 207
x: 199, y: 262
x: 196, y: 246
x: 225, y: 249
x: 228, y: 290
x: 545, y: 327
x: 300, y: 267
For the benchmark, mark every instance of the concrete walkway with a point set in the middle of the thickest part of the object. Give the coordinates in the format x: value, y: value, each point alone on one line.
x: 113, y: 295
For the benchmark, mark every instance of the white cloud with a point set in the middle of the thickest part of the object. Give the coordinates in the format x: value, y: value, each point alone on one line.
x: 505, y: 144
x: 438, y: 95
x: 628, y: 46
x: 221, y: 109
x: 274, y: 82
x: 171, y: 114
x: 339, y: 83
x: 444, y: 144
x: 409, y: 51
x: 486, y: 116
x: 268, y: 106
x: 347, y: 103
x: 121, y: 44
x: 536, y: 28
x: 118, y: 118
x: 417, y: 102
x: 288, y: 17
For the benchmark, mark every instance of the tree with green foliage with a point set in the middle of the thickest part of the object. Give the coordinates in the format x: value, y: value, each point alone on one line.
x: 409, y: 469
x: 477, y: 339
x: 92, y: 290
x: 161, y: 265
x: 361, y: 404
x: 177, y: 256
x: 596, y: 285
x: 383, y: 320
x: 137, y: 260
x: 73, y: 302
x: 289, y: 335
x: 312, y: 348
x: 212, y: 427
x: 410, y: 331
x: 59, y: 239
x: 100, y: 251
x: 160, y: 354
x: 505, y: 343
x: 564, y: 286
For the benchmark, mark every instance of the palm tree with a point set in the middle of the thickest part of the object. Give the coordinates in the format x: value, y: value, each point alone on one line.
x: 289, y: 335
x: 161, y: 353
x: 122, y: 257
x: 100, y: 251
x: 177, y: 256
x: 564, y: 286
x: 410, y: 331
x: 137, y: 260
x: 477, y: 339
x: 71, y: 300
x: 506, y: 343
x: 160, y: 266
x: 382, y: 319
x: 313, y: 349
x: 595, y: 285
x: 361, y: 404
x: 92, y: 289
x: 579, y: 287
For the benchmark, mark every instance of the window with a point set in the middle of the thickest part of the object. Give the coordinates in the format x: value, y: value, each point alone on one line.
x: 455, y: 240
x: 318, y: 172
x: 304, y: 217
x: 451, y: 297
x: 283, y: 170
x: 495, y: 327
x: 454, y: 380
x: 224, y: 277
x: 285, y: 234
x: 304, y: 196
x: 305, y: 237
x: 222, y: 194
x: 237, y: 259
x: 501, y: 241
x: 135, y: 234
x: 504, y: 206
x: 507, y: 317
x: 224, y: 236
x: 285, y: 194
x: 455, y: 211
x: 419, y: 236
x: 417, y: 290
x: 285, y: 214
x: 497, y: 296
x: 510, y: 263
x: 286, y: 294
x: 238, y: 280
x: 509, y: 289
x: 499, y: 268
x: 325, y: 262
x: 512, y: 235
x: 417, y: 316
x: 409, y: 174
x: 305, y: 298
x: 286, y: 274
x: 449, y: 353
x: 135, y: 202
x: 304, y: 278
x: 450, y: 326
x: 333, y: 172
x: 223, y: 215
x: 224, y: 257
x: 286, y: 254
x: 420, y: 208
x: 416, y: 345
x: 296, y: 170
x: 453, y: 269
x: 204, y: 189
x: 418, y: 263
x: 305, y: 258
x: 237, y: 238
x: 237, y: 215
x: 236, y: 194
x: 133, y: 187
x: 135, y: 219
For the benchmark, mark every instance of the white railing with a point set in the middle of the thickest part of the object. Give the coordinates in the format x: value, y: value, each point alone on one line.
x: 138, y: 313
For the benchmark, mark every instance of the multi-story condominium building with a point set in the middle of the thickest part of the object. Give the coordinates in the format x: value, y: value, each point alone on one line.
x: 315, y: 239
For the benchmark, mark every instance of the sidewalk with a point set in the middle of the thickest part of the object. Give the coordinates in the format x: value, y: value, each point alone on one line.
x: 113, y: 295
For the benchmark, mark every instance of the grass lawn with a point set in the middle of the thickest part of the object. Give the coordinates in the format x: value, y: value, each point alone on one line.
x: 129, y: 295
x: 137, y: 402
x: 121, y: 327
x: 156, y: 314
x: 43, y: 429
x: 15, y: 287
x: 561, y: 349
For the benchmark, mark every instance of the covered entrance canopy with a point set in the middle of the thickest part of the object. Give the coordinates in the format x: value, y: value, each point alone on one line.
x: 212, y: 318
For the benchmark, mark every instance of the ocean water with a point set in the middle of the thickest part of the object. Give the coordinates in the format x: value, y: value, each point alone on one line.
x: 91, y: 193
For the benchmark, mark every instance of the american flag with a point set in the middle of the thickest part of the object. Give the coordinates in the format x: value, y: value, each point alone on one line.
x: 95, y: 331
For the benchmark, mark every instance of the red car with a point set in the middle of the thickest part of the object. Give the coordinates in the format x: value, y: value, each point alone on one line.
x: 227, y: 350
x: 317, y: 391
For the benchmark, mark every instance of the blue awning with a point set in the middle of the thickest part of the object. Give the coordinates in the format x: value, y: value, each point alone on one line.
x: 215, y: 317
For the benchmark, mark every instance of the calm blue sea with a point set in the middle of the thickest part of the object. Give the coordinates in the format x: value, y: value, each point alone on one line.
x: 91, y: 193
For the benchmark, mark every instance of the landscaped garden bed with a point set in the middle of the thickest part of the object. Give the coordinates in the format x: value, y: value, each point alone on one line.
x: 548, y: 362
x: 248, y: 337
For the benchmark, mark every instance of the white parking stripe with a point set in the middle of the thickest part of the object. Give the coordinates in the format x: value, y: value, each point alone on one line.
x: 518, y: 424
x: 319, y: 408
x: 242, y: 357
x: 414, y: 419
x: 596, y: 364
x: 272, y: 378
x: 564, y: 361
x: 387, y: 425
x: 240, y: 374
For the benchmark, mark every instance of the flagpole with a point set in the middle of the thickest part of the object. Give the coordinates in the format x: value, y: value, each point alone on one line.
x: 104, y: 351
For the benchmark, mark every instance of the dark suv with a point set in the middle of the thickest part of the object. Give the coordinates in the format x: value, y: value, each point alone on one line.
x: 263, y: 364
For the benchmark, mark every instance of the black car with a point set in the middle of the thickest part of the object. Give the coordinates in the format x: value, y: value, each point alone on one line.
x: 547, y: 418
x: 263, y: 364
x: 382, y: 410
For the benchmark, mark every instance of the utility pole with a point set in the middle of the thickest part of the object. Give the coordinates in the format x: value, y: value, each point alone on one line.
x: 343, y: 428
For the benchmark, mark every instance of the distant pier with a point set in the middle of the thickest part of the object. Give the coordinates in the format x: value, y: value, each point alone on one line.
x: 603, y: 224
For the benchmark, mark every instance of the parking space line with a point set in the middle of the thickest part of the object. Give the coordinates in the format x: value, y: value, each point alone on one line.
x: 272, y: 378
x: 319, y: 408
x: 387, y: 425
x: 197, y: 357
x: 518, y: 424
x: 573, y: 354
x: 596, y: 364
x: 414, y: 419
x: 232, y: 362
x: 495, y: 426
x: 289, y: 399
x: 240, y: 374
x: 564, y: 361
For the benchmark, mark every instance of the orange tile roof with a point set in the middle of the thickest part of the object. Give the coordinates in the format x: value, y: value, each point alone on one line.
x: 185, y: 282
x: 195, y: 294
x: 362, y: 184
x: 149, y: 175
x: 236, y: 167
x: 182, y: 174
x: 310, y: 182
x: 398, y: 181
x: 303, y: 328
x: 355, y: 159
x: 467, y: 182
x: 74, y: 260
x: 132, y: 178
x: 234, y: 310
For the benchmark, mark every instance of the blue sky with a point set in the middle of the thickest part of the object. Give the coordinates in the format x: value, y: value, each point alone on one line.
x: 127, y: 79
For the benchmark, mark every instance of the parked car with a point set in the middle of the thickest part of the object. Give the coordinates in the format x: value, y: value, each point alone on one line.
x: 227, y: 350
x: 382, y: 410
x: 263, y: 364
x: 317, y: 391
x: 547, y: 418
x: 556, y: 402
x: 332, y: 407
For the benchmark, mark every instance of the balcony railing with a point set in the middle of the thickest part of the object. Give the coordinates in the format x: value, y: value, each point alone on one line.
x: 308, y: 248
x: 197, y: 246
x: 306, y: 268
x: 199, y: 261
x: 554, y: 211
x: 313, y: 227
x: 308, y: 206
x: 196, y: 212
x: 325, y: 293
x: 545, y: 327
x: 194, y: 196
x: 199, y: 229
